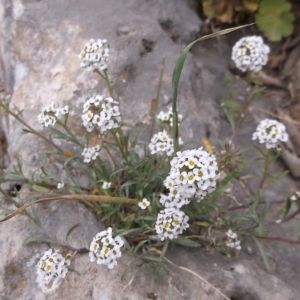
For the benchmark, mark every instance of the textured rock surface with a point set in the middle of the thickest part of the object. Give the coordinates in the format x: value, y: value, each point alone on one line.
x: 40, y: 41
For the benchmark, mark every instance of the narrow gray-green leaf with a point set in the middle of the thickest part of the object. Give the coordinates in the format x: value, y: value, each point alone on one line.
x: 177, y: 73
x: 70, y: 230
x: 263, y: 253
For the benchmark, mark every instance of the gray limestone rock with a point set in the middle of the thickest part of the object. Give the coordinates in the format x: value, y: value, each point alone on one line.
x: 39, y: 43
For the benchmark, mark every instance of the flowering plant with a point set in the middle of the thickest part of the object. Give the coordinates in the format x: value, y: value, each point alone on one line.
x: 161, y: 194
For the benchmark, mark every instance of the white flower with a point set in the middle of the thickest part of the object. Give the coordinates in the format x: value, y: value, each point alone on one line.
x: 105, y: 249
x: 293, y: 198
x: 64, y: 110
x: 168, y: 117
x: 250, y: 53
x: 232, y: 240
x: 106, y: 185
x: 161, y: 142
x: 90, y: 153
x: 51, y: 268
x: 102, y: 113
x: 270, y: 132
x: 94, y: 55
x: 231, y: 234
x: 193, y: 173
x: 60, y: 185
x: 170, y: 201
x: 49, y: 113
x: 278, y: 221
x: 170, y: 223
x: 144, y: 203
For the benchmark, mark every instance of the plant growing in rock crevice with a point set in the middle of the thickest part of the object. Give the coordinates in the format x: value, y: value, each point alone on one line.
x: 149, y: 196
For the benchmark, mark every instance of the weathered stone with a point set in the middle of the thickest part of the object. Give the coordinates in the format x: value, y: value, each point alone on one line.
x: 40, y: 41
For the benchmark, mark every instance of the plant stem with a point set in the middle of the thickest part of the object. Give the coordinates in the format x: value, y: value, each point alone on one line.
x: 265, y: 169
x: 74, y: 139
x: 101, y: 199
x: 110, y: 89
x: 119, y: 144
x: 30, y: 128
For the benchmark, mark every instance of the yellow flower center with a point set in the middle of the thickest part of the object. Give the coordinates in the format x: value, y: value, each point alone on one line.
x: 191, y: 177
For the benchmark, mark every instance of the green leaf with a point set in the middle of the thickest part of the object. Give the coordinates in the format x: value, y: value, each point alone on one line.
x: 140, y: 244
x: 26, y: 131
x: 177, y: 74
x: 152, y: 258
x: 181, y: 240
x: 36, y: 237
x: 275, y: 19
x: 40, y: 188
x: 70, y: 230
x: 287, y: 206
x: 36, y: 218
x: 263, y: 253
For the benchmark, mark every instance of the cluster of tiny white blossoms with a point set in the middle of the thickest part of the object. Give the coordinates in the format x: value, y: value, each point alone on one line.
x: 171, y: 201
x: 101, y: 112
x: 106, y: 249
x: 232, y: 240
x: 161, y: 142
x: 50, y: 269
x: 144, y: 203
x: 167, y: 117
x: 170, y: 223
x: 49, y: 113
x: 94, y: 55
x: 250, y: 53
x: 194, y: 173
x: 90, y: 153
x: 270, y: 132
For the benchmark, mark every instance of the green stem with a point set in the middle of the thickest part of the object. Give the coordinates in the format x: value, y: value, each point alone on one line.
x: 74, y: 139
x: 265, y: 169
x: 105, y: 77
x: 165, y: 248
x: 30, y: 128
x: 119, y: 144
x: 110, y: 89
x: 175, y: 132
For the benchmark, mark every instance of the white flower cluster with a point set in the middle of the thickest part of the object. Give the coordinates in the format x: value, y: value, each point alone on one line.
x: 49, y: 113
x: 50, y: 269
x: 250, y: 53
x: 171, y: 201
x: 161, y: 142
x: 167, y: 117
x: 101, y: 112
x: 170, y: 223
x: 94, y: 55
x: 194, y: 173
x: 106, y: 249
x: 232, y: 240
x: 90, y: 153
x: 270, y: 132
